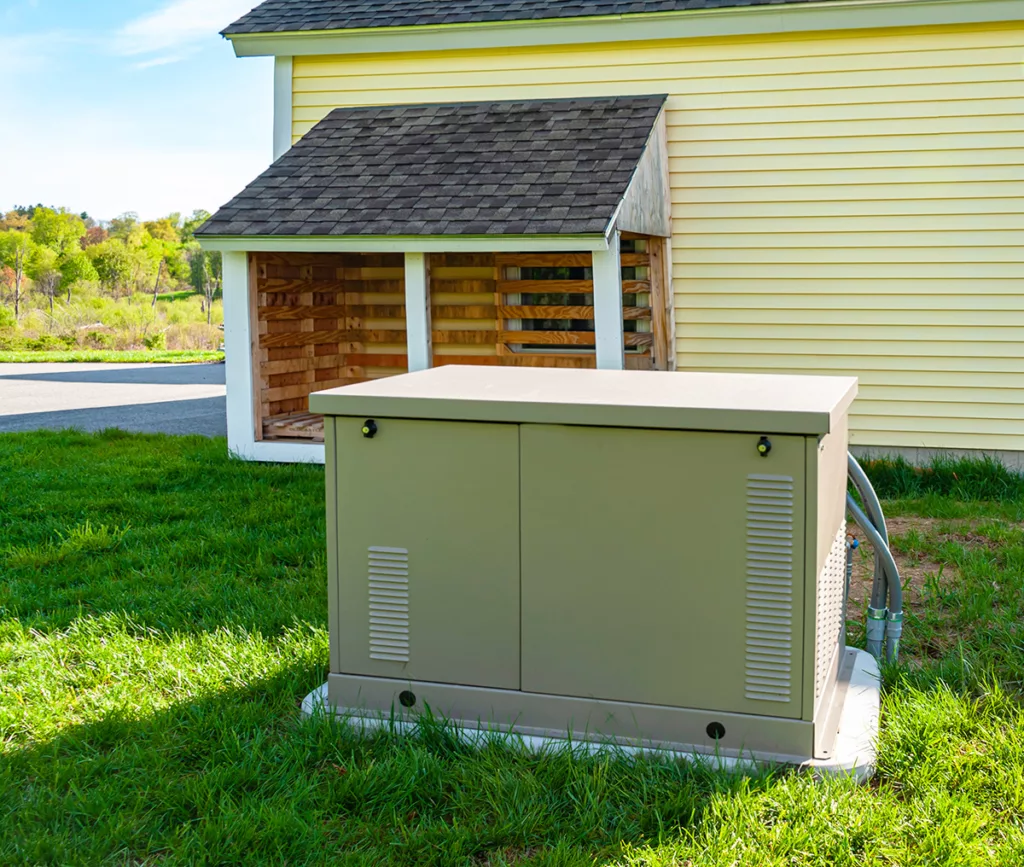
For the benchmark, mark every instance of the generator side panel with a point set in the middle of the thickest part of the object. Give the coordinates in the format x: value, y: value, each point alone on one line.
x: 826, y: 578
x: 664, y: 568
x: 427, y: 552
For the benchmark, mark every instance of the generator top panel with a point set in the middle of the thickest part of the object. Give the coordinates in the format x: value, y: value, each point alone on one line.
x: 737, y: 403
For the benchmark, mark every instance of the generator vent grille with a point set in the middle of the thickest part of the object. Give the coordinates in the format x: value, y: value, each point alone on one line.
x: 389, y: 604
x: 769, y: 590
x: 830, y: 614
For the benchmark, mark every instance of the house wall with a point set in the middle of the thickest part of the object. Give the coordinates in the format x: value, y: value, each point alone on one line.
x: 846, y: 203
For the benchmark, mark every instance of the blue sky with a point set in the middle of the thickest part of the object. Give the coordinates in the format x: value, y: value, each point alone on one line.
x: 128, y: 105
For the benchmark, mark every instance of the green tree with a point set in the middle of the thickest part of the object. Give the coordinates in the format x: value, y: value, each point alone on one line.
x: 124, y: 226
x: 16, y: 252
x: 113, y: 263
x: 59, y: 230
x: 44, y: 269
x: 15, y: 220
x: 167, y: 229
x: 207, y: 273
x: 75, y: 269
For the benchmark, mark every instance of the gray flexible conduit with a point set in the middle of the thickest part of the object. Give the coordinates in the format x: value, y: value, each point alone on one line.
x: 885, y: 613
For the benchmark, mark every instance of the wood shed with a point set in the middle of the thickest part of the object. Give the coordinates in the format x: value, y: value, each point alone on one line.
x: 395, y: 239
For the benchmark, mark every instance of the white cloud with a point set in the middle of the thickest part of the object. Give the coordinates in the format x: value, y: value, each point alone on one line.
x: 26, y: 53
x: 159, y: 61
x: 180, y: 24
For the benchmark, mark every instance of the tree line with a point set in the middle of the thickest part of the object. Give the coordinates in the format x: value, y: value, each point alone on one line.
x: 52, y: 252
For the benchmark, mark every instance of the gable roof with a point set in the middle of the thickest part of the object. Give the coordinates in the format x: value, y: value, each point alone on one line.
x: 551, y: 167
x: 287, y: 16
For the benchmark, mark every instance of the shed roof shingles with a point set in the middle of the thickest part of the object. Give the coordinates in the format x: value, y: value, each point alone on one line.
x: 355, y: 172
x: 290, y: 16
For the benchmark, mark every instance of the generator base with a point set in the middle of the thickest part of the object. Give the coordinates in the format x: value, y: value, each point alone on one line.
x: 853, y: 754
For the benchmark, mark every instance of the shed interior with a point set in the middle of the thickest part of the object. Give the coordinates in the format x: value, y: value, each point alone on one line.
x: 323, y: 320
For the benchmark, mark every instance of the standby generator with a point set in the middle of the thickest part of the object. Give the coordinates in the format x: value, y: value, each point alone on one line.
x: 653, y: 560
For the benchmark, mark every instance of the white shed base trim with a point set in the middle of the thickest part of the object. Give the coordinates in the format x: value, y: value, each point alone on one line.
x: 854, y: 755
x: 279, y: 453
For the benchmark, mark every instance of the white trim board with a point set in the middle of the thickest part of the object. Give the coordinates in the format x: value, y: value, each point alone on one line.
x: 282, y: 106
x: 406, y: 243
x: 690, y: 24
x: 280, y: 452
x: 238, y: 372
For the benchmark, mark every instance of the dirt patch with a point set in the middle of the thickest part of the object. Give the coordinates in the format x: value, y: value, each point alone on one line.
x: 914, y: 568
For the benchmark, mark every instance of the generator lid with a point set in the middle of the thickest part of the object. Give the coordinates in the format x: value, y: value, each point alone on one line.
x: 738, y: 403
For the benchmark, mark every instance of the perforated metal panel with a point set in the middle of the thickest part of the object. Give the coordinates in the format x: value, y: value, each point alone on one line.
x: 769, y: 646
x: 831, y: 593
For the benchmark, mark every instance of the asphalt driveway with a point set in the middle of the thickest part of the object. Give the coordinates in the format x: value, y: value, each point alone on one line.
x: 147, y: 398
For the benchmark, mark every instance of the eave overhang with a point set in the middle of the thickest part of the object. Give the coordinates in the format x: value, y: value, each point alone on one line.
x: 640, y: 27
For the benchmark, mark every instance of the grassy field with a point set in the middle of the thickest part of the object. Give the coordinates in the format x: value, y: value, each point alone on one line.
x: 162, y: 612
x: 114, y: 356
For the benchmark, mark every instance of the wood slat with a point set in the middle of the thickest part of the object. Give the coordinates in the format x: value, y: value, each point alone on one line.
x: 544, y: 260
x: 465, y: 311
x: 298, y: 426
x: 462, y: 286
x: 634, y: 260
x: 371, y: 360
x: 304, y: 389
x: 568, y: 338
x: 547, y: 287
x: 575, y: 287
x: 631, y: 313
x: 466, y: 338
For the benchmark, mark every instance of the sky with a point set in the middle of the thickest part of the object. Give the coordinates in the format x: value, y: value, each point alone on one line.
x: 111, y: 106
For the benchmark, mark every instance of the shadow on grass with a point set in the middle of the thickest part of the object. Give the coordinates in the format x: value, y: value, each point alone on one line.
x: 235, y: 778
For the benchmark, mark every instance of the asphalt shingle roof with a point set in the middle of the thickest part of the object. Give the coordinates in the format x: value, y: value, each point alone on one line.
x: 496, y: 168
x: 279, y: 16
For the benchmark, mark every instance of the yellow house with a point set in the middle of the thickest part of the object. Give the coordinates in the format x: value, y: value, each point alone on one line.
x: 799, y: 186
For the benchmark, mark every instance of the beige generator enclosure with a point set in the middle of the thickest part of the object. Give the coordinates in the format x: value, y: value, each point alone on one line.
x: 655, y: 559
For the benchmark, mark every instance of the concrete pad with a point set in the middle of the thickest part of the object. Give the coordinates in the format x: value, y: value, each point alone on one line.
x: 854, y: 755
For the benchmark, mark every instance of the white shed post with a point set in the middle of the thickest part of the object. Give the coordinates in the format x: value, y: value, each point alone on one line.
x: 282, y: 106
x: 611, y: 350
x: 238, y: 371
x: 418, y: 327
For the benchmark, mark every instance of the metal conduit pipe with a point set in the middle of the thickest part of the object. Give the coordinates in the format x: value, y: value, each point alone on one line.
x: 878, y: 608
x: 892, y: 624
x: 893, y: 613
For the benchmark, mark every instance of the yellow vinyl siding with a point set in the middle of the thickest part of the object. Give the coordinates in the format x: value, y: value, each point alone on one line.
x: 842, y: 203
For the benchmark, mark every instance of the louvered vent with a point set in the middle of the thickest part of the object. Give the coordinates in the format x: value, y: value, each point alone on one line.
x: 830, y: 614
x: 389, y: 604
x: 769, y: 650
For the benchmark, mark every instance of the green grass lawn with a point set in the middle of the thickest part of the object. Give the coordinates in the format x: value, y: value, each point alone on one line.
x: 127, y: 356
x: 162, y: 613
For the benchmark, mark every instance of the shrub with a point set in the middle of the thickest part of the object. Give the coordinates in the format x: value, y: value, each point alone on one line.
x: 7, y: 319
x: 155, y: 341
x: 99, y: 340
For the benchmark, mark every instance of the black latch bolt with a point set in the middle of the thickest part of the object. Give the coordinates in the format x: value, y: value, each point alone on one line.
x: 764, y: 447
x: 370, y: 429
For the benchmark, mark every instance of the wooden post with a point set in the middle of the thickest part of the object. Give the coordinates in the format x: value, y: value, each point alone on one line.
x: 419, y: 335
x: 238, y: 346
x: 662, y: 303
x: 611, y: 350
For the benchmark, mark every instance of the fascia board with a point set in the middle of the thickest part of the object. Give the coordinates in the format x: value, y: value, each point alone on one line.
x: 405, y: 244
x: 690, y: 24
